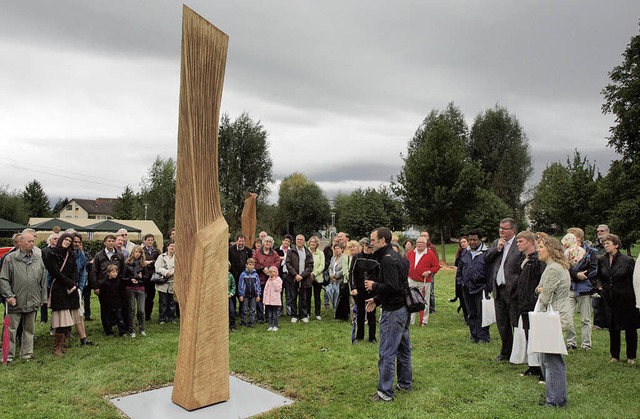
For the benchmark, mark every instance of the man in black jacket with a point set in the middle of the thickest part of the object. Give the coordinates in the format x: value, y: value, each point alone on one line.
x: 524, y: 293
x: 238, y: 255
x: 389, y: 292
x: 363, y: 266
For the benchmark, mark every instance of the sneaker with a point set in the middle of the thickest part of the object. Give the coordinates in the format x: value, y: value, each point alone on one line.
x: 305, y: 320
x: 373, y: 340
x: 270, y: 329
x: 275, y: 329
x: 133, y: 335
x: 161, y: 322
x: 613, y: 360
x: 294, y: 320
x: 87, y: 342
x: 143, y: 333
x: 631, y: 361
x: 571, y: 347
x: 408, y: 390
x: 318, y: 318
x: 377, y: 398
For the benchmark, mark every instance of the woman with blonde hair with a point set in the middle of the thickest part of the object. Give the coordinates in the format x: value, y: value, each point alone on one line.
x: 553, y: 290
x: 132, y: 278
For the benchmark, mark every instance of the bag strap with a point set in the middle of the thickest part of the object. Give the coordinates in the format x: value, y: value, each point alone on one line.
x: 65, y: 261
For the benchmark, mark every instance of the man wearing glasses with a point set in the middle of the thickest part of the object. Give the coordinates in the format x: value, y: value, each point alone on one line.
x: 126, y: 243
x: 503, y: 259
x: 600, y: 315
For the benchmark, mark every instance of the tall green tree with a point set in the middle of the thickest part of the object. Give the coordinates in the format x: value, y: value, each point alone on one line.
x: 128, y: 205
x: 36, y: 200
x: 12, y: 206
x: 59, y: 206
x: 499, y: 143
x: 620, y: 190
x: 622, y: 99
x: 438, y: 181
x: 564, y: 196
x: 302, y: 205
x: 365, y: 209
x: 244, y: 164
x: 159, y: 193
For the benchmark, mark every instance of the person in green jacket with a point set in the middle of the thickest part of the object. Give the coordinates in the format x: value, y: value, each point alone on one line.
x: 23, y: 285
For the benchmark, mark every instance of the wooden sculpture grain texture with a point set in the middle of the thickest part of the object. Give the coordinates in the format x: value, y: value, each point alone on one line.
x: 202, y: 367
x: 249, y: 219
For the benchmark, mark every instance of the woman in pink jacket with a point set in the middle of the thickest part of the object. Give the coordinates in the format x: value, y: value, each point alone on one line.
x: 272, y: 298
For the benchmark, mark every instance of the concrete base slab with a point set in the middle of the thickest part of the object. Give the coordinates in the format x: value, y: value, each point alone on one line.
x: 245, y: 400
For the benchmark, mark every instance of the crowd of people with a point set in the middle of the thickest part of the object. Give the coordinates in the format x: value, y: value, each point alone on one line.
x: 60, y: 277
x: 521, y: 272
x: 527, y: 272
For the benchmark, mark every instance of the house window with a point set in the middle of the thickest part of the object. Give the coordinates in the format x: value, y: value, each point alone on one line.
x: 70, y: 207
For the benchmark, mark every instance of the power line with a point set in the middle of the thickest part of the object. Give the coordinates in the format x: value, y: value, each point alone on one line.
x: 112, y: 185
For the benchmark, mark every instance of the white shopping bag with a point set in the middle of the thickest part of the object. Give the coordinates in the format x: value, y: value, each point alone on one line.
x: 488, y: 312
x: 519, y: 347
x: 545, y: 333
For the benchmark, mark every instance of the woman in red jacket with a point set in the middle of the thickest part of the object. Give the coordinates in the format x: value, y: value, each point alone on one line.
x: 423, y: 264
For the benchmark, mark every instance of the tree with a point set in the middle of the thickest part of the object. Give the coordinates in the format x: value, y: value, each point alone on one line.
x: 244, y: 164
x: 620, y: 191
x: 365, y: 209
x: 59, y: 206
x: 622, y: 98
x: 564, y: 196
x: 12, y: 206
x: 128, y: 205
x: 159, y: 193
x: 302, y: 205
x: 438, y: 181
x: 487, y: 211
x: 35, y: 200
x: 618, y: 201
x: 500, y: 145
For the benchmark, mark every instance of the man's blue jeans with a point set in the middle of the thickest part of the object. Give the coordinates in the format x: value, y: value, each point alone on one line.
x: 395, y: 342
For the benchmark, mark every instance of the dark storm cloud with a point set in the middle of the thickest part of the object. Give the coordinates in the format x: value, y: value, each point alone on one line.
x: 356, y: 77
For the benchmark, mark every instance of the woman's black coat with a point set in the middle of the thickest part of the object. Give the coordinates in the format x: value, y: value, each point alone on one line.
x: 62, y: 280
x: 616, y: 280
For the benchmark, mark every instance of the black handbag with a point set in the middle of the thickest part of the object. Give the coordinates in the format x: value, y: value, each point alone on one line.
x: 414, y: 298
x: 158, y: 278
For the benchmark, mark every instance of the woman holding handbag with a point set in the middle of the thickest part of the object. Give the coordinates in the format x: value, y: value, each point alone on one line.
x: 553, y: 291
x: 164, y: 266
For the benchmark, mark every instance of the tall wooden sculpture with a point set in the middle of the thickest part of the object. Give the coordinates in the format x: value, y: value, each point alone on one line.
x: 202, y: 369
x: 249, y: 219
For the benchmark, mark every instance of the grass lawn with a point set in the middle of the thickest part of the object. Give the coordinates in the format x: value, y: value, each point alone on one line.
x: 316, y: 365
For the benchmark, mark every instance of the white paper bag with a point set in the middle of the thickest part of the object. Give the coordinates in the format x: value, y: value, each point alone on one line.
x: 545, y: 333
x: 519, y: 347
x: 488, y: 312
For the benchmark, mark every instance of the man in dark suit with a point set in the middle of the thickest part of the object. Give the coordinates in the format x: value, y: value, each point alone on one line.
x: 504, y: 260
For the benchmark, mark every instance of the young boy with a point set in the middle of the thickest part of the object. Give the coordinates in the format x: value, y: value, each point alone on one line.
x: 272, y: 299
x: 232, y: 305
x: 111, y: 291
x: 249, y: 292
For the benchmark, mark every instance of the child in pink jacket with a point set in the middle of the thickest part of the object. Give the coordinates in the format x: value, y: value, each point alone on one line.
x: 272, y: 298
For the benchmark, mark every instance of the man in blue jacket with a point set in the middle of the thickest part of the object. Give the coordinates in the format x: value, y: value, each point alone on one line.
x: 472, y: 274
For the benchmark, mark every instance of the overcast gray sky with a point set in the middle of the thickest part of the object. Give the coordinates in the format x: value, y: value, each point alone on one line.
x: 89, y: 90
